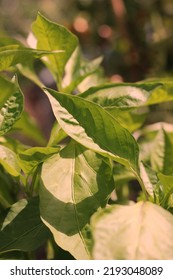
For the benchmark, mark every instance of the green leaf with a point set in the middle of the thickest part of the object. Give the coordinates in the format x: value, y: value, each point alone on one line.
x: 11, y: 110
x: 161, y: 155
x: 124, y: 95
x: 7, y: 88
x: 131, y: 119
x: 57, y: 135
x: 76, y: 183
x: 121, y: 100
x: 163, y: 93
x: 77, y: 69
x: 131, y: 95
x: 22, y: 228
x: 51, y: 37
x: 8, y: 160
x: 122, y: 175
x: 93, y: 127
x: 149, y: 178
x: 6, y: 41
x: 167, y: 190
x: 32, y: 157
x: 142, y: 231
x: 28, y: 71
x: 14, y: 54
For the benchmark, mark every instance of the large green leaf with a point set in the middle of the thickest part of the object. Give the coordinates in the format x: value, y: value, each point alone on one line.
x: 124, y: 95
x: 8, y: 160
x: 11, y: 110
x: 90, y: 125
x: 51, y: 37
x: 138, y: 232
x: 22, y: 228
x: 131, y: 95
x: 76, y: 183
x: 14, y: 54
x: 161, y: 155
x: 31, y: 158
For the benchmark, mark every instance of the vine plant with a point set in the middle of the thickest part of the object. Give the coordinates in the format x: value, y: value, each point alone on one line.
x: 75, y: 190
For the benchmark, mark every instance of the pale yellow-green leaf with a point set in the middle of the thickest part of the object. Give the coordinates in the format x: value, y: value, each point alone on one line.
x: 142, y: 231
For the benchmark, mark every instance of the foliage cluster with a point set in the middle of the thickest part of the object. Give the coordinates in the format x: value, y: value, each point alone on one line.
x: 75, y: 191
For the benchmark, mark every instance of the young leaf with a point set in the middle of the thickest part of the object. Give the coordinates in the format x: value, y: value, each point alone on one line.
x: 76, y: 182
x: 22, y: 228
x: 51, y: 37
x: 32, y: 157
x: 93, y: 127
x: 161, y: 156
x: 11, y: 110
x: 8, y: 160
x: 139, y: 232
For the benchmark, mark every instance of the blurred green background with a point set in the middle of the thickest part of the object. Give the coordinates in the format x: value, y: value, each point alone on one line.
x: 134, y: 36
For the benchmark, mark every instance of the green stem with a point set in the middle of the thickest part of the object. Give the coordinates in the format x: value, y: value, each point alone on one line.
x: 141, y: 184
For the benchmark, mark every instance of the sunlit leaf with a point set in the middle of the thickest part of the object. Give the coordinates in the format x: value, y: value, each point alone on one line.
x: 142, y: 231
x: 90, y: 125
x: 51, y: 37
x: 76, y: 183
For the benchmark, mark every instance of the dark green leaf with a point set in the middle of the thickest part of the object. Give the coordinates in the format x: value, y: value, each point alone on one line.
x: 22, y: 228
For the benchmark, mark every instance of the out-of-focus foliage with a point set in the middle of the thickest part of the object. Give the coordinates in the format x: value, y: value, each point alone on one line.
x: 134, y: 36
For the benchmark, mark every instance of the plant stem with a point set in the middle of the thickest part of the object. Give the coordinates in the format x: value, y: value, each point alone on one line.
x: 141, y: 184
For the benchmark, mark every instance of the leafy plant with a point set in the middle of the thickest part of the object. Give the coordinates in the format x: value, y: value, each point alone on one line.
x: 75, y: 192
